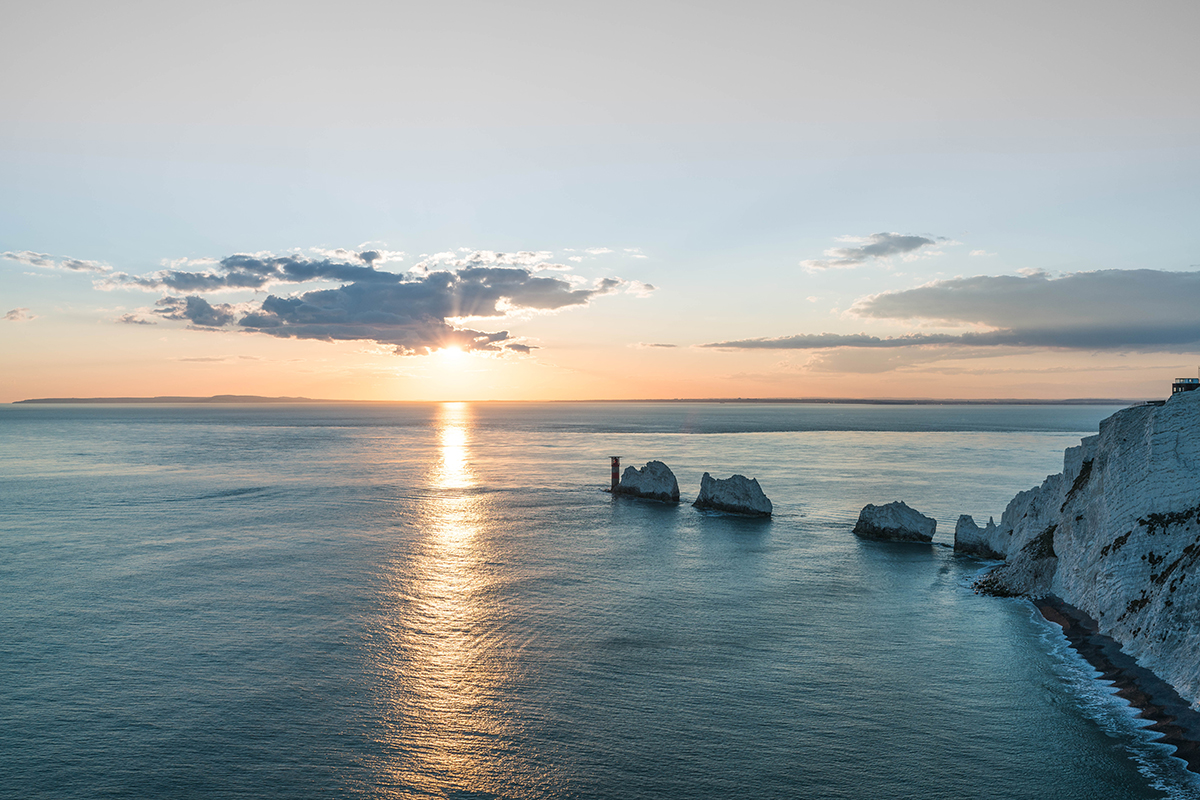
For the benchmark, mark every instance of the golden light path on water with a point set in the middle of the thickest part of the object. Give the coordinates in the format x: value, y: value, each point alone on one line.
x: 450, y: 662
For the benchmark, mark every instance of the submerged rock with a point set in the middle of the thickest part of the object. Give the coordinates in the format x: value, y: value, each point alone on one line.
x: 894, y: 522
x: 654, y: 481
x: 973, y: 540
x: 737, y: 494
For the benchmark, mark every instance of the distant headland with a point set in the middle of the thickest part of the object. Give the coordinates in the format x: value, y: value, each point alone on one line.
x: 217, y: 398
x: 880, y: 401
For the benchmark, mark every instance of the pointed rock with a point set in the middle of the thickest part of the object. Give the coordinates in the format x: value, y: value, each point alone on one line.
x: 973, y: 540
x: 655, y: 481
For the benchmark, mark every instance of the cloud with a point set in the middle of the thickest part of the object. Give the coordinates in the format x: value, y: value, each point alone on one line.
x: 31, y: 258
x: 197, y: 311
x: 859, y: 362
x: 414, y: 313
x: 369, y: 256
x: 655, y: 344
x: 1121, y: 299
x: 822, y: 341
x: 441, y: 301
x: 257, y: 271
x: 134, y: 319
x: 597, y: 251
x: 486, y: 258
x: 19, y: 315
x: 1138, y: 310
x: 872, y: 248
x: 640, y: 289
x: 47, y: 261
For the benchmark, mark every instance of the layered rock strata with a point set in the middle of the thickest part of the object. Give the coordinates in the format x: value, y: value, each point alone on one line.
x: 655, y: 481
x: 737, y: 494
x: 1117, y: 535
x: 894, y: 522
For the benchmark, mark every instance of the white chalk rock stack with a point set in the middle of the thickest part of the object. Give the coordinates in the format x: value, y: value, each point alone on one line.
x: 985, y: 542
x: 894, y: 522
x: 737, y: 494
x: 655, y: 481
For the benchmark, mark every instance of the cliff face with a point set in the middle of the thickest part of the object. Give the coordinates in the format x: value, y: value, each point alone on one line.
x: 1117, y: 535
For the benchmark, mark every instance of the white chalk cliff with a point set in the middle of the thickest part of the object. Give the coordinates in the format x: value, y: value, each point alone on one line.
x: 1117, y: 535
x: 654, y: 481
x: 894, y: 522
x: 737, y: 494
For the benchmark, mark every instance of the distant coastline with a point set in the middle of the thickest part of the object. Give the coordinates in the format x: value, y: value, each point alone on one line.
x: 249, y: 398
x: 218, y: 398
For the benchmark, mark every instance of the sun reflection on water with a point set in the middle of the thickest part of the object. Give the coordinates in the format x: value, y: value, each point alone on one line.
x: 449, y: 661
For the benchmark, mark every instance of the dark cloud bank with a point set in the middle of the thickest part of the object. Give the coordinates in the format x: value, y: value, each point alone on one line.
x: 1105, y: 310
x: 412, y: 312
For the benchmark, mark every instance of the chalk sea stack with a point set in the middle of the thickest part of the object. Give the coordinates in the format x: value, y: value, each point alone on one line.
x: 894, y: 522
x: 737, y: 495
x: 655, y: 481
x: 973, y: 540
x: 1116, y: 535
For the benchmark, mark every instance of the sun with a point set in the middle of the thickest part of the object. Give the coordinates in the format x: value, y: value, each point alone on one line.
x: 450, y: 355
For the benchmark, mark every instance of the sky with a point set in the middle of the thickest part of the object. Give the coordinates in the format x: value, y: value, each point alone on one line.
x: 558, y: 201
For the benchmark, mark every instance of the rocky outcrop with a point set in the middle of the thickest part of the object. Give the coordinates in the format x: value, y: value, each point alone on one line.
x: 737, y: 495
x: 894, y: 522
x: 973, y: 540
x: 655, y: 481
x: 1116, y: 534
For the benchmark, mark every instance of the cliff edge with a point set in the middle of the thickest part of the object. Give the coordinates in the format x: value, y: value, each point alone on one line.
x: 1117, y: 535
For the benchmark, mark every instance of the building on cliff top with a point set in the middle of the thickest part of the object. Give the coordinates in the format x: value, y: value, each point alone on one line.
x: 1185, y: 385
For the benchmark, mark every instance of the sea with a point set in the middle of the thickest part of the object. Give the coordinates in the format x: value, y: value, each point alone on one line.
x: 442, y: 601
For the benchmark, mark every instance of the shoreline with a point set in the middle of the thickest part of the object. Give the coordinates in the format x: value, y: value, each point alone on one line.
x: 1172, y: 718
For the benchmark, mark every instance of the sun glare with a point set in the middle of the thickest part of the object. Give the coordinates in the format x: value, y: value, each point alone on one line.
x: 450, y: 355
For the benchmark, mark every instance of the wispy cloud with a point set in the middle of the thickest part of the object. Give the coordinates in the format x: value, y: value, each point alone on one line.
x: 19, y: 315
x: 1136, y: 310
x: 134, y: 319
x: 47, y: 261
x: 371, y: 256
x: 536, y: 260
x: 877, y: 246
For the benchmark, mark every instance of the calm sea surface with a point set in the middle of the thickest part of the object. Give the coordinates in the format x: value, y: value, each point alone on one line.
x: 440, y: 601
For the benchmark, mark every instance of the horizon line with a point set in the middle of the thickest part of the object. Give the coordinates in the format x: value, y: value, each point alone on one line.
x: 232, y: 399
